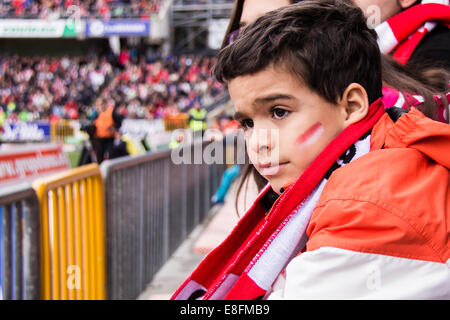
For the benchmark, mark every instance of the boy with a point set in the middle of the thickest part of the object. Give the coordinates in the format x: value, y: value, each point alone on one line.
x: 357, y: 204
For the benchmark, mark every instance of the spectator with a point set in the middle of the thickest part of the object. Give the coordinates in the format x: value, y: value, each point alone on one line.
x: 105, y: 130
x: 413, y: 31
x: 118, y: 148
x: 45, y: 85
x: 68, y: 87
x: 55, y: 9
x: 197, y: 119
x: 124, y: 57
x: 97, y: 78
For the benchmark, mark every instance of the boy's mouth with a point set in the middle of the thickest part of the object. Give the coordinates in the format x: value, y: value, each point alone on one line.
x: 268, y: 169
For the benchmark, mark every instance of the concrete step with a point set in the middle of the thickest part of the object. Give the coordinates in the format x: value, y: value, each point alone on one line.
x: 220, y: 222
x: 225, y: 219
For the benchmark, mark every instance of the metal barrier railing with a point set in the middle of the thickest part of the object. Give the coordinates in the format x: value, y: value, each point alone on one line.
x: 152, y: 204
x: 57, y: 242
x: 19, y: 236
x: 72, y: 234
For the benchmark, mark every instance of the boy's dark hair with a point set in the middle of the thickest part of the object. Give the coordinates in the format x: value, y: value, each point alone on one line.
x: 327, y: 44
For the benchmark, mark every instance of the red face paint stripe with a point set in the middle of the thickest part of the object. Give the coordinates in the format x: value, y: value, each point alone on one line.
x: 305, y: 136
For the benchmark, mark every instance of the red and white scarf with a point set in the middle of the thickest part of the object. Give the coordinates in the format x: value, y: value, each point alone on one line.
x: 258, y: 249
x: 402, y: 33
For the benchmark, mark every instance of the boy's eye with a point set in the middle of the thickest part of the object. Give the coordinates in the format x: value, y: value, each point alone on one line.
x: 278, y: 113
x: 246, y: 124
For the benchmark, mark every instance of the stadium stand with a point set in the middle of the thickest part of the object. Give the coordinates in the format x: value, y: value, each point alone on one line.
x: 165, y: 86
x: 49, y: 86
x: 35, y: 88
x: 55, y: 9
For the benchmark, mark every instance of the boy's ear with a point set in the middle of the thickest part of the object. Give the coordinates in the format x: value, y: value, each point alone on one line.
x: 404, y: 4
x: 355, y: 103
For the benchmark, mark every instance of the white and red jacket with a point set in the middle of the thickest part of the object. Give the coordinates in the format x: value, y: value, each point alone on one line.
x: 394, y: 244
x: 377, y: 226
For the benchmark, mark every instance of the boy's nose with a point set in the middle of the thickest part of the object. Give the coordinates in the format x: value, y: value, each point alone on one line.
x: 260, y: 141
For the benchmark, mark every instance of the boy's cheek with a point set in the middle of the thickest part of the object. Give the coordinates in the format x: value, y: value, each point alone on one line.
x: 310, y: 135
x: 254, y: 158
x: 251, y: 154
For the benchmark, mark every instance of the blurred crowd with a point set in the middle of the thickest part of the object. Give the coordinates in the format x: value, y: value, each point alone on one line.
x: 162, y: 87
x: 202, y: 1
x: 181, y: 2
x: 33, y: 88
x: 54, y: 9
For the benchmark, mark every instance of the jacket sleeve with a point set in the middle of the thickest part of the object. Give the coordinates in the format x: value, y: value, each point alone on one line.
x: 361, y: 250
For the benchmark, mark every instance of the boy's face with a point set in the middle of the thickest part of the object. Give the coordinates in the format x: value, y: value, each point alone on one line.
x: 253, y: 9
x: 385, y: 8
x: 286, y: 124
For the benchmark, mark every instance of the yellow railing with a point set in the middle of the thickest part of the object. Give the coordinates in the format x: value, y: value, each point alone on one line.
x: 178, y: 121
x: 72, y: 234
x: 61, y: 129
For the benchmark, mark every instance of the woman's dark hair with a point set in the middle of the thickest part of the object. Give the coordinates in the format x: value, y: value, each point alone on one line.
x: 235, y: 20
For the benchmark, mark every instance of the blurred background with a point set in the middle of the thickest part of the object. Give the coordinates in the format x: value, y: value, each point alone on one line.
x: 91, y: 93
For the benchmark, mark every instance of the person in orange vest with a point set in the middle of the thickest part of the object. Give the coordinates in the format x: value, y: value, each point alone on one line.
x: 105, y: 130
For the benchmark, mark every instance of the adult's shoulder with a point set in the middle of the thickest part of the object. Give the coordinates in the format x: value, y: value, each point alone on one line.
x: 434, y: 49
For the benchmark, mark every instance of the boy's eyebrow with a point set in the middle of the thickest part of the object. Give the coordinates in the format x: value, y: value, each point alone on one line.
x: 264, y: 100
x: 273, y: 97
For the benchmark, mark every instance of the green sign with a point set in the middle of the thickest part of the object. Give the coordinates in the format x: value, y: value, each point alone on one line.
x: 30, y: 28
